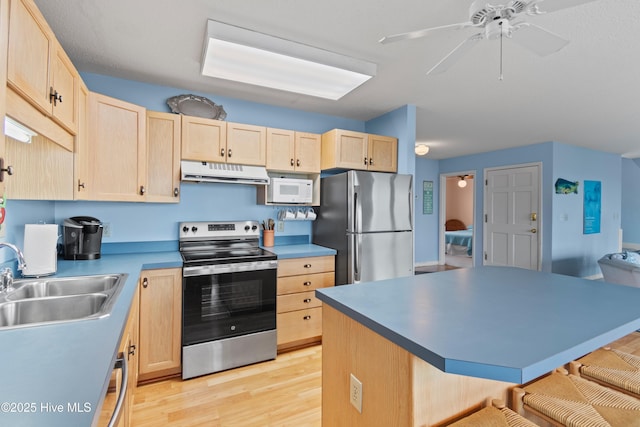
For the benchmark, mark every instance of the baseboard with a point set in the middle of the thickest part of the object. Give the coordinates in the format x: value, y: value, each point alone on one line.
x: 632, y: 246
x: 426, y: 263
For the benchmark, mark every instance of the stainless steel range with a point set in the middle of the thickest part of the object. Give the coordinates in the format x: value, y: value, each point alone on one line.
x: 228, y: 297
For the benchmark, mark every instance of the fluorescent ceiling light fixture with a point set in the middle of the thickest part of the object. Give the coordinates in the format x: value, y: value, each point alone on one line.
x: 238, y: 54
x: 17, y: 131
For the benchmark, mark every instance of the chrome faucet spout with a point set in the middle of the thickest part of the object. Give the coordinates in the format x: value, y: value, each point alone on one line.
x: 22, y: 264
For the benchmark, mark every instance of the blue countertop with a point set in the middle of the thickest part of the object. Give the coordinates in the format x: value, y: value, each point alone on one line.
x: 70, y: 364
x: 500, y: 323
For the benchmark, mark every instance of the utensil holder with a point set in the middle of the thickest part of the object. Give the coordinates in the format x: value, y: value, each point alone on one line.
x: 267, y: 237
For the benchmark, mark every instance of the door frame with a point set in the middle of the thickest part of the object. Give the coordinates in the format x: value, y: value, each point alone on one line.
x: 486, y: 171
x: 443, y: 214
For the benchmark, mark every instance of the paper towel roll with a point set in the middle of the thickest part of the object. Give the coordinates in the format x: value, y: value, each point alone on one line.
x: 40, y: 249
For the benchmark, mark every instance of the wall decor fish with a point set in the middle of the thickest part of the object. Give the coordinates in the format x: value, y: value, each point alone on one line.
x: 564, y: 186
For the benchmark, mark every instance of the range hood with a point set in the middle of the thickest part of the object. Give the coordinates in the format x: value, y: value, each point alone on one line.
x: 223, y: 172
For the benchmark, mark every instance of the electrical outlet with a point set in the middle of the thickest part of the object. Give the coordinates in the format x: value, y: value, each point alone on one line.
x: 280, y: 226
x: 106, y: 229
x: 355, y: 392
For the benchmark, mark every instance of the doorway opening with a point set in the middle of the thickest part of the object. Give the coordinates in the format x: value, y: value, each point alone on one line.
x: 457, y: 214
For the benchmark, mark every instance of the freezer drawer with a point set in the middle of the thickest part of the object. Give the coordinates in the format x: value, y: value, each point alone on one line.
x: 379, y: 256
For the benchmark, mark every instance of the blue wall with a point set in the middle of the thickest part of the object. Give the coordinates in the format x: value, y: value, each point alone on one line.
x: 426, y: 229
x: 630, y: 202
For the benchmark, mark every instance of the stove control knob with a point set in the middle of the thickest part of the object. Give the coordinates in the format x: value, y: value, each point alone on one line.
x: 254, y: 227
x: 185, y: 229
x: 194, y: 228
x: 246, y: 228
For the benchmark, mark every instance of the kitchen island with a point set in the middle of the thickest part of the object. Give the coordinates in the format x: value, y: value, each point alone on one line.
x: 429, y: 347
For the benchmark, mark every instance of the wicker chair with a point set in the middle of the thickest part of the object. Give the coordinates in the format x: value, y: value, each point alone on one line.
x: 494, y: 414
x: 611, y: 368
x: 564, y: 399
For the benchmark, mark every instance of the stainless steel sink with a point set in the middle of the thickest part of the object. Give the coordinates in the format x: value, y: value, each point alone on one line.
x: 35, y: 302
x: 38, y: 288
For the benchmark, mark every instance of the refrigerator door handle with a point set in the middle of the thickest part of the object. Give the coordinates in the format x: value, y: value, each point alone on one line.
x: 357, y: 250
x: 357, y: 210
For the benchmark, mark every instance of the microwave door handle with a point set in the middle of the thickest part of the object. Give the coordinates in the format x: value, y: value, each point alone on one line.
x: 121, y: 363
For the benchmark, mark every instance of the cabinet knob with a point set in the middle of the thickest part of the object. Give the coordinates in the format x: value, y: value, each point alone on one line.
x: 291, y: 162
x: 307, y: 300
x: 145, y: 282
x: 80, y: 185
x: 8, y: 170
x: 307, y: 266
x: 307, y: 283
x: 306, y: 317
x: 298, y: 162
x: 365, y: 161
x: 142, y: 190
x: 176, y: 192
x: 370, y: 161
x: 229, y: 152
x: 54, y: 96
x: 222, y: 152
x: 132, y: 350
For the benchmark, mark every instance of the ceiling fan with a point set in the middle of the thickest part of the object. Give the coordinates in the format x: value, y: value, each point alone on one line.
x: 496, y: 22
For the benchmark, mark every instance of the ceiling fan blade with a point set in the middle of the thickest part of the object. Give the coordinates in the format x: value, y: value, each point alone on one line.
x: 548, y: 6
x: 420, y: 33
x: 537, y: 39
x: 455, y: 54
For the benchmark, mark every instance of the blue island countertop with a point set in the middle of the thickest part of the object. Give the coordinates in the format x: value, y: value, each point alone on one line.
x: 500, y: 323
x: 299, y: 250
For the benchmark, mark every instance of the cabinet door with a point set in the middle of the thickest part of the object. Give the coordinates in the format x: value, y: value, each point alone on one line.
x: 4, y: 37
x: 30, y: 41
x: 81, y: 160
x: 383, y: 153
x: 160, y: 323
x: 117, y: 158
x: 163, y: 157
x: 280, y: 150
x: 203, y: 139
x: 64, y: 81
x: 246, y: 144
x: 307, y: 152
x: 344, y: 149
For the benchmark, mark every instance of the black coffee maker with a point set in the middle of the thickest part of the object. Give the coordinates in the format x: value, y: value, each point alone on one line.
x: 82, y: 238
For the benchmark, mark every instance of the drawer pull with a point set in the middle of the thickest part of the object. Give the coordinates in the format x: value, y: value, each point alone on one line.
x: 307, y: 266
x: 307, y: 300
x: 307, y: 283
x: 307, y: 317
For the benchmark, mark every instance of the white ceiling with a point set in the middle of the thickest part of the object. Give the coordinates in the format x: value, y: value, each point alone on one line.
x: 588, y: 94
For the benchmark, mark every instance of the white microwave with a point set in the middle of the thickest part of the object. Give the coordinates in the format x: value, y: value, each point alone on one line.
x: 290, y: 190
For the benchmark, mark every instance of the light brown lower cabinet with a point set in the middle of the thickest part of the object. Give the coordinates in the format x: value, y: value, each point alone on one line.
x: 299, y: 318
x: 160, y: 324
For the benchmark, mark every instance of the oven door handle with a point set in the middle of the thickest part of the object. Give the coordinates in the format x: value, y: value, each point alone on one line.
x: 202, y: 270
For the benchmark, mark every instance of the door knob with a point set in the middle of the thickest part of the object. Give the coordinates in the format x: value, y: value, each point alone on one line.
x: 534, y: 216
x: 533, y: 230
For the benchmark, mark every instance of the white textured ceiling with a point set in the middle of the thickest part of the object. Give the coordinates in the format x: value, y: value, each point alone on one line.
x: 588, y: 94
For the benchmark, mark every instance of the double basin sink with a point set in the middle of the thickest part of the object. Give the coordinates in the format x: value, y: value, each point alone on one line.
x: 33, y: 302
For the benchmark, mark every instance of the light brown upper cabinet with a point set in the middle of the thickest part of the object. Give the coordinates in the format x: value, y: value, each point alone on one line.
x: 345, y: 149
x: 114, y: 155
x: 289, y: 151
x: 217, y: 141
x: 163, y: 157
x: 38, y: 68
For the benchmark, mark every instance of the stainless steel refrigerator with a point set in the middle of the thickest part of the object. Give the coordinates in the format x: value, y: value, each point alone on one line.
x: 367, y: 217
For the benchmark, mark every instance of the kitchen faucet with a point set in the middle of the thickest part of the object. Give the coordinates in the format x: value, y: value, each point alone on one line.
x: 6, y: 276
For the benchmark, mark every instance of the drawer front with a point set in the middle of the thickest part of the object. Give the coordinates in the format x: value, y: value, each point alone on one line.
x: 299, y: 325
x: 297, y: 301
x: 309, y: 265
x: 304, y: 283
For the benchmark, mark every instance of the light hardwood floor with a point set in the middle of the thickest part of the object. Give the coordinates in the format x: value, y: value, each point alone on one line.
x: 282, y: 392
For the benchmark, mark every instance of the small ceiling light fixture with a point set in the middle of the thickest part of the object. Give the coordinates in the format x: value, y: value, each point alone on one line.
x: 421, y: 149
x: 463, y: 181
x: 246, y: 56
x: 17, y: 131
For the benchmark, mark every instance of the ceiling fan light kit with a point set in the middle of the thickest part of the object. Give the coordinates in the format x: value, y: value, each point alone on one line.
x: 496, y: 22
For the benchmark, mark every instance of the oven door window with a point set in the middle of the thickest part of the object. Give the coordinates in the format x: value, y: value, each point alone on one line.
x: 226, y: 305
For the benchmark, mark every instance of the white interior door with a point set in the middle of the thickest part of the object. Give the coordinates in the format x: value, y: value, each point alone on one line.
x: 512, y: 217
